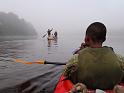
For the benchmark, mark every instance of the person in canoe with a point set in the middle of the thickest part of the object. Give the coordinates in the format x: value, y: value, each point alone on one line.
x: 50, y: 36
x: 49, y: 32
x: 55, y: 34
x: 95, y: 65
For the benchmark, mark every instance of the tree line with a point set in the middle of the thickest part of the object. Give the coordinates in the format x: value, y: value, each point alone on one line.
x: 12, y: 25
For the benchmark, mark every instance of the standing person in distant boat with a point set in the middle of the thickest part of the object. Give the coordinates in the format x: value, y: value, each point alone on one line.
x: 96, y: 66
x: 49, y: 32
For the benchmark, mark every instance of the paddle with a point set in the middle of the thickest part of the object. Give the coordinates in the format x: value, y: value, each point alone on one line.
x: 44, y: 35
x: 39, y: 62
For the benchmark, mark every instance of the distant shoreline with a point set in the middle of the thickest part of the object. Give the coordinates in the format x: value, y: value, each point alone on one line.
x: 9, y: 38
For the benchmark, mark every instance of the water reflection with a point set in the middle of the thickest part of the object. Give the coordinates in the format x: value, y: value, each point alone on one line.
x: 44, y: 77
x: 49, y: 43
x: 52, y: 42
x: 37, y: 78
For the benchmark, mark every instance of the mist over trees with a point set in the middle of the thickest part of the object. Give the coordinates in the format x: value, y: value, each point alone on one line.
x: 12, y: 25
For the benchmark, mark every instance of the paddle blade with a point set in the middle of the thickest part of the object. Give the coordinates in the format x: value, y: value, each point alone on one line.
x: 40, y: 62
x: 25, y: 62
x: 19, y: 60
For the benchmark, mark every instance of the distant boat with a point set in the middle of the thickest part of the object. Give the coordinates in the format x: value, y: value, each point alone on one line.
x: 51, y: 38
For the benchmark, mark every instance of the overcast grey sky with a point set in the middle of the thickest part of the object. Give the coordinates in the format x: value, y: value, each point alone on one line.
x: 67, y: 14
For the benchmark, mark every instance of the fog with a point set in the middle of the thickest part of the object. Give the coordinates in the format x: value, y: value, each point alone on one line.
x: 67, y: 15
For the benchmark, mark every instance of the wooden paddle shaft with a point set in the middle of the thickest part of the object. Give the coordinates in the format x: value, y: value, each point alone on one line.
x: 55, y: 63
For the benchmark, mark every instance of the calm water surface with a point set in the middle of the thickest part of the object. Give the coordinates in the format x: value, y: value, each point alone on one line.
x: 34, y: 78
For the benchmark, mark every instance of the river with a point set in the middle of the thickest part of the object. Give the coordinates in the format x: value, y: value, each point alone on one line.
x: 17, y: 77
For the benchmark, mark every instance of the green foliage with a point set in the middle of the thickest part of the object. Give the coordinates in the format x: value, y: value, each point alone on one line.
x: 12, y: 25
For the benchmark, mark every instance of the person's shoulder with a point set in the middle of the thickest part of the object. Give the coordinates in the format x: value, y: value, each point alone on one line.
x: 84, y: 52
x: 75, y: 57
x: 86, y: 49
x: 109, y: 48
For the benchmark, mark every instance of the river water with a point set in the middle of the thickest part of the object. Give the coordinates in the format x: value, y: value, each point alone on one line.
x: 17, y: 77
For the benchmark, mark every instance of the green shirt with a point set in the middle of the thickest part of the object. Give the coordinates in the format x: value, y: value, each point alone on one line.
x: 95, y: 67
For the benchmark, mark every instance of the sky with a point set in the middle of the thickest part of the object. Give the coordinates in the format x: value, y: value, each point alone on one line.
x: 67, y: 15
